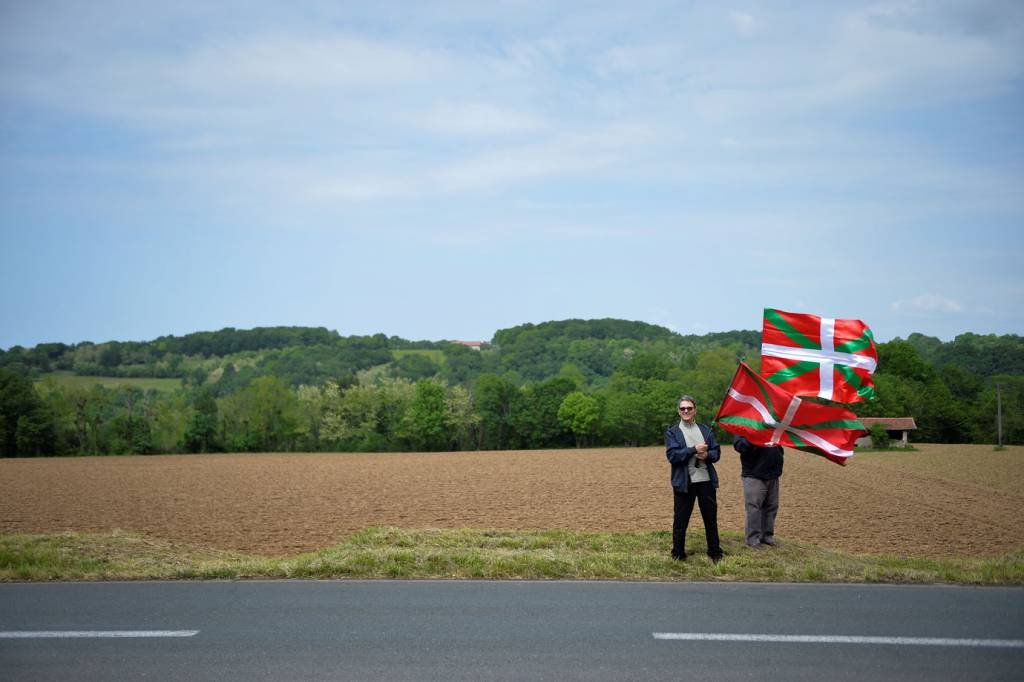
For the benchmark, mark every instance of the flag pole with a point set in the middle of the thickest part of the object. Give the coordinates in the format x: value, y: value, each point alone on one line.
x: 731, y: 382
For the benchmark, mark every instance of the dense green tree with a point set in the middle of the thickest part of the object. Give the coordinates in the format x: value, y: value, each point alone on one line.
x: 170, y: 417
x: 311, y: 414
x: 110, y: 355
x: 532, y: 356
x: 203, y: 431
x: 647, y: 365
x: 462, y: 365
x: 426, y: 427
x: 1011, y: 394
x: 461, y: 419
x: 625, y: 420
x: 33, y: 435
x: 574, y: 374
x: 26, y: 426
x: 879, y: 436
x: 982, y: 355
x: 592, y: 356
x: 395, y: 397
x: 636, y: 411
x: 127, y: 426
x: 939, y: 418
x: 91, y: 408
x: 494, y: 398
x: 579, y: 413
x: 962, y: 384
x: 902, y: 359
x: 896, y: 397
x: 227, y: 383
x: 414, y: 367
x: 62, y: 410
x: 262, y: 417
x: 313, y: 365
x: 535, y: 414
x: 350, y: 417
x: 126, y: 434
x: 367, y: 418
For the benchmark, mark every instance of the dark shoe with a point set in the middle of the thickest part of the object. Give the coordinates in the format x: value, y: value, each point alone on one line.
x: 679, y: 557
x: 768, y: 541
x: 758, y: 547
x: 715, y: 558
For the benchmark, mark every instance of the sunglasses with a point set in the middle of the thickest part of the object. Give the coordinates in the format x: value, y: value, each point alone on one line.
x: 687, y: 409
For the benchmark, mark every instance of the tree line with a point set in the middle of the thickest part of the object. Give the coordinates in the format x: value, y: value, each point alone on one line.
x: 558, y: 384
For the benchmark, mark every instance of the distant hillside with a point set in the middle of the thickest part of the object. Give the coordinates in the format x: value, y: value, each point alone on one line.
x: 598, y: 347
x: 527, y: 352
x: 553, y: 384
x: 984, y: 355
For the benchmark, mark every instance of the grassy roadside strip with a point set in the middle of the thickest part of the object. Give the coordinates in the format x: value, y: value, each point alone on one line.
x: 382, y: 552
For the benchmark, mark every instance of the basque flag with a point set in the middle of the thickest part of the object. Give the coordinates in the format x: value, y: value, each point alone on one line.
x: 819, y: 356
x: 764, y: 412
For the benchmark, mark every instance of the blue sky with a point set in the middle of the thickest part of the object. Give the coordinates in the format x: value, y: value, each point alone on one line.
x: 441, y: 170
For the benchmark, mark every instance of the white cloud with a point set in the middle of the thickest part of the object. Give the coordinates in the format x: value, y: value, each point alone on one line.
x: 927, y: 305
x: 743, y: 22
x: 562, y: 155
x: 254, y: 80
x: 475, y: 118
x: 298, y: 63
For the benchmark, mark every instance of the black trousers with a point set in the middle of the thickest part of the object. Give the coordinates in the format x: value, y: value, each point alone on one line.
x: 707, y: 499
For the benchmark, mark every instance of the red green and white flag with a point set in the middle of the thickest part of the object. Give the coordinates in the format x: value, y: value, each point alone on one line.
x: 765, y: 413
x: 819, y: 356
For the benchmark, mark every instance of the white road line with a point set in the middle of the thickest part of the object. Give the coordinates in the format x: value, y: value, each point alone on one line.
x: 840, y: 639
x: 79, y: 634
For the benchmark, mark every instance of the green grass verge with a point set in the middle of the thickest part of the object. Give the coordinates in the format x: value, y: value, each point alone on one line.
x: 382, y: 552
x: 69, y: 379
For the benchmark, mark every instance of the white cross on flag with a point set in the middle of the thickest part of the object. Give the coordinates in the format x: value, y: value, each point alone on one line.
x: 819, y: 356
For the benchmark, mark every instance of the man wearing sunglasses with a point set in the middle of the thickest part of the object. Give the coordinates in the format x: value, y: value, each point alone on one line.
x: 692, y: 450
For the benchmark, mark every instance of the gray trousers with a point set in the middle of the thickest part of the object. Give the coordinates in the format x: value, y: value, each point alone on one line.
x: 761, y: 500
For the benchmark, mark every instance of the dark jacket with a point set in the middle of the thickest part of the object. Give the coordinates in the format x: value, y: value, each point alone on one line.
x: 680, y: 455
x: 758, y: 461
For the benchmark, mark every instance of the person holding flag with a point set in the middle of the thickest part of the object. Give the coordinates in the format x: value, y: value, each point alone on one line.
x: 761, y: 467
x: 801, y: 355
x: 692, y: 451
x: 765, y: 413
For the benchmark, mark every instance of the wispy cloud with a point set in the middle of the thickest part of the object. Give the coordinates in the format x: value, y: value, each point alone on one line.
x: 476, y: 119
x: 743, y: 22
x: 927, y: 305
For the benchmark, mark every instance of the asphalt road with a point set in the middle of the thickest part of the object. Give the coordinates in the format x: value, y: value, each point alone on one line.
x: 434, y: 630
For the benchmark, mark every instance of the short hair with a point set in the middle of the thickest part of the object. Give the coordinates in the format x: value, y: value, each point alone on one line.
x: 688, y: 398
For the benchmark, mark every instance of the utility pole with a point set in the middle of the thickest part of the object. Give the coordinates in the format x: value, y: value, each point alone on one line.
x: 999, y: 416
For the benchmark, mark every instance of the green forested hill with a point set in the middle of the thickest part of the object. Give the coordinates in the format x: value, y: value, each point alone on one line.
x: 982, y: 355
x: 554, y: 384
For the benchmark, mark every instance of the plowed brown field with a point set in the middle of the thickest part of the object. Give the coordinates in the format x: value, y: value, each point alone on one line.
x: 943, y: 500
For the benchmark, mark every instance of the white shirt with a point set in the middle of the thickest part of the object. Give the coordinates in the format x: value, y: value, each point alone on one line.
x: 693, y: 438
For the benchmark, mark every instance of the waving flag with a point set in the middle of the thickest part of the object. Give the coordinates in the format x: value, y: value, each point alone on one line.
x: 764, y: 412
x: 819, y: 356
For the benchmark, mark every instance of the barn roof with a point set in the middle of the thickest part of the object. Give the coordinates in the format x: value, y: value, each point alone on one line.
x: 890, y: 423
